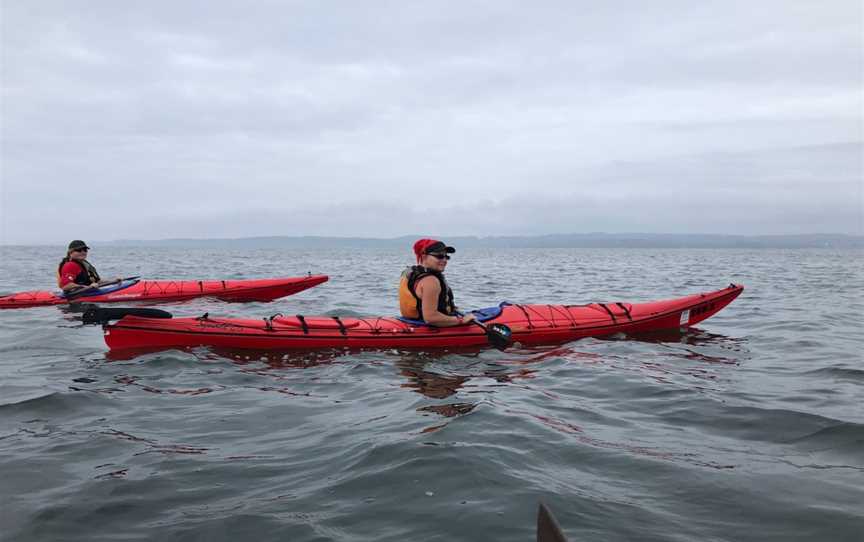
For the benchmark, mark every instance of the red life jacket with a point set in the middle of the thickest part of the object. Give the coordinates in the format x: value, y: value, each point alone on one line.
x: 86, y: 276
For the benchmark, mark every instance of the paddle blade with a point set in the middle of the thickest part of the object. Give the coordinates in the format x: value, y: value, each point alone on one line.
x: 548, y: 529
x: 103, y: 316
x: 500, y: 336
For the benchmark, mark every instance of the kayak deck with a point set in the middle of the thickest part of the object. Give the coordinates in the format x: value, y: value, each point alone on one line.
x: 530, y: 324
x: 161, y: 291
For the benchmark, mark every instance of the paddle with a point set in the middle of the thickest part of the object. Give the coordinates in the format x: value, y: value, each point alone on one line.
x: 499, y: 335
x: 82, y: 289
x: 99, y: 315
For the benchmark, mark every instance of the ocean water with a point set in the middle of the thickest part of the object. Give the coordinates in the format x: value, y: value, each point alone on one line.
x: 750, y: 427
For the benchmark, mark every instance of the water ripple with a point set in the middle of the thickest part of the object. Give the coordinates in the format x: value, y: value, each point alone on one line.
x: 748, y: 428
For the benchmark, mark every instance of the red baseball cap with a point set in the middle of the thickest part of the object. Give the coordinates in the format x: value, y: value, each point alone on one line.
x: 426, y: 246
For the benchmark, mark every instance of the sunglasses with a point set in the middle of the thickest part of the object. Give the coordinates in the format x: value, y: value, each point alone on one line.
x: 81, y: 250
x: 439, y: 256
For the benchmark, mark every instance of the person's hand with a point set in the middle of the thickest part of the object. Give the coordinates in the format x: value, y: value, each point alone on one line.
x: 468, y: 318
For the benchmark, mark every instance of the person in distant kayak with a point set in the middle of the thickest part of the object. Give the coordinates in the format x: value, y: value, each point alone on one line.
x: 75, y: 273
x: 423, y: 291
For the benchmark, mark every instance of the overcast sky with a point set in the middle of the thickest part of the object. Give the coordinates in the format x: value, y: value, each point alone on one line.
x: 157, y: 119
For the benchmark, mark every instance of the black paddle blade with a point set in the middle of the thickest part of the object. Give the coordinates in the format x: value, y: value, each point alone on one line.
x: 548, y: 529
x: 99, y: 315
x: 500, y: 336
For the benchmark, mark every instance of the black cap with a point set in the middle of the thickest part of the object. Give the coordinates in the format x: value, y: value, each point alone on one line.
x: 439, y: 247
x: 77, y: 244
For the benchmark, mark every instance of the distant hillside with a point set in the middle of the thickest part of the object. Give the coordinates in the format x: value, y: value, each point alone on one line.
x: 571, y: 240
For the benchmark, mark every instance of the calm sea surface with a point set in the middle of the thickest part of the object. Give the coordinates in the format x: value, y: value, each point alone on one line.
x: 748, y: 428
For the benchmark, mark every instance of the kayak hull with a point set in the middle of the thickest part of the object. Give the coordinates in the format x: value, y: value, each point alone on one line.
x: 162, y: 291
x: 530, y: 324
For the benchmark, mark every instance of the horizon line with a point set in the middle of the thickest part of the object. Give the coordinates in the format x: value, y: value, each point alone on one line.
x: 463, y: 236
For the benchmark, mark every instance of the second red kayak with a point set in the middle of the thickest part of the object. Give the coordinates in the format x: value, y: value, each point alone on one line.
x: 530, y: 325
x: 161, y: 291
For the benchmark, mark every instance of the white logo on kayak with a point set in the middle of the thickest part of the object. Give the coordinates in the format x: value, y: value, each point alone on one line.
x: 685, y: 318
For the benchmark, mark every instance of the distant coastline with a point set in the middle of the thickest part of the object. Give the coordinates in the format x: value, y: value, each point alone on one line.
x: 573, y: 240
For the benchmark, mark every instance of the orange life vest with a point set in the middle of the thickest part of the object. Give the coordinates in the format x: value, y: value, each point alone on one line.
x: 410, y: 304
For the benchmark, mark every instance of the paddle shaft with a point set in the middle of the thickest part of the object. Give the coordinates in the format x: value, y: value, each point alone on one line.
x: 83, y: 288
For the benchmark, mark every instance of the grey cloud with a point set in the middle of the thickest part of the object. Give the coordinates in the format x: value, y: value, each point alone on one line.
x: 222, y: 119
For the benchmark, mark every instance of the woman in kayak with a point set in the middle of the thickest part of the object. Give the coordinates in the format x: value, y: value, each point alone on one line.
x: 75, y: 273
x: 423, y: 292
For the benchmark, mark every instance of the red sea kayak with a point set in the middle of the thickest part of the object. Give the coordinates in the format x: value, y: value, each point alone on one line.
x: 161, y: 291
x: 530, y: 325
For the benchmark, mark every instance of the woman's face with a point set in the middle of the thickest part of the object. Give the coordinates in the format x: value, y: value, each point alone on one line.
x: 436, y: 261
x: 78, y: 254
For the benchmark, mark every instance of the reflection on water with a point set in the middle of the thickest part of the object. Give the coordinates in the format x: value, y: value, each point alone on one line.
x: 450, y: 410
x: 428, y: 383
x: 439, y: 374
x: 275, y: 360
